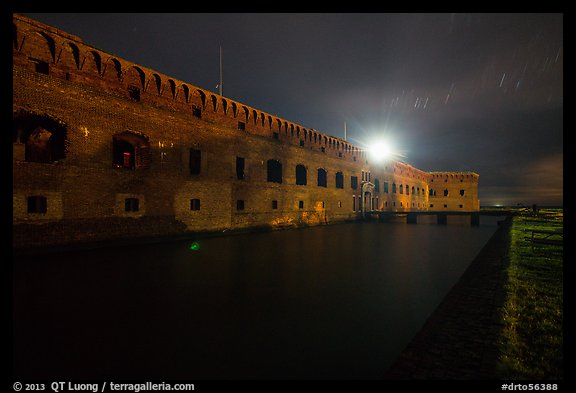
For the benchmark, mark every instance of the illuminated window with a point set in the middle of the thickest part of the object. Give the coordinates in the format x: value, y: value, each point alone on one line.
x: 130, y: 151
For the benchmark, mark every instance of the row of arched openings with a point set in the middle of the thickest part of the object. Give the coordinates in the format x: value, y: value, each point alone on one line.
x: 136, y: 81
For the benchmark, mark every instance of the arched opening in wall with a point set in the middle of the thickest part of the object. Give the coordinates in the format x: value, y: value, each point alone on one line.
x: 322, y: 178
x: 376, y: 185
x: 38, y: 139
x: 202, y: 96
x: 301, y: 175
x: 44, y: 52
x: 92, y: 63
x: 157, y: 84
x: 186, y: 93
x: 113, y: 70
x: 70, y: 56
x: 274, y: 171
x: 172, y: 86
x: 131, y: 151
x: 214, y: 103
x: 446, y: 192
x: 134, y: 80
x: 225, y: 106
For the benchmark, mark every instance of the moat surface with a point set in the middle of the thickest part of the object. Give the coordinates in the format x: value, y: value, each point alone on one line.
x: 333, y: 302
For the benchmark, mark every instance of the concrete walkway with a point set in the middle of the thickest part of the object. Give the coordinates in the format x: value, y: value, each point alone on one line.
x: 458, y: 341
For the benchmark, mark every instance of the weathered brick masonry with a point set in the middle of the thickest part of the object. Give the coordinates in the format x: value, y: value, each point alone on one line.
x: 106, y: 149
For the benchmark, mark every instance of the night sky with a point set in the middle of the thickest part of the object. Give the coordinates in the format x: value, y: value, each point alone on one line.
x: 454, y: 92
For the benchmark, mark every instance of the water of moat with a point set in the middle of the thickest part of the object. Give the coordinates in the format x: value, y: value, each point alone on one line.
x: 331, y: 302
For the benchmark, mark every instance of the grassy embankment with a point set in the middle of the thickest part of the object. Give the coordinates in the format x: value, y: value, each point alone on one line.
x: 531, y: 339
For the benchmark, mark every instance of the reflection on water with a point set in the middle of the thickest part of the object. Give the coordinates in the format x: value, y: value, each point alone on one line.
x: 335, y: 302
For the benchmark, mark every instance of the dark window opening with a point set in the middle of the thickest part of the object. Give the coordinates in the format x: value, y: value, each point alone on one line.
x: 461, y: 206
x: 446, y: 192
x: 445, y: 206
x: 322, y: 178
x: 196, y: 111
x: 323, y: 149
x: 354, y: 182
x: 300, y: 204
x: 131, y: 204
x: 301, y: 143
x: 130, y: 151
x: 240, y: 204
x: 274, y: 205
x: 376, y: 185
x: 37, y: 204
x: 241, y: 125
x: 401, y: 189
x: 301, y: 176
x: 240, y: 168
x: 274, y: 171
x: 393, y: 188
x: 41, y: 67
x: 340, y: 154
x: 461, y: 192
x: 194, y: 204
x: 275, y: 135
x: 195, y: 161
x: 407, y: 189
x: 134, y: 92
x: 339, y: 180
x: 386, y: 187
x: 44, y: 139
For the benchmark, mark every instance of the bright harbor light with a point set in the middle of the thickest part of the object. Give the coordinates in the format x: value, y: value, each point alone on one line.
x: 381, y: 150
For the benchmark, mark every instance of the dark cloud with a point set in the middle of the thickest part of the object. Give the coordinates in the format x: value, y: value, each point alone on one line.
x: 479, y: 92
